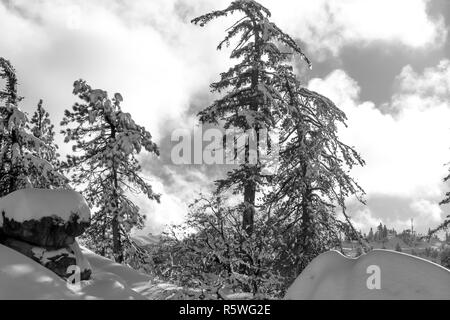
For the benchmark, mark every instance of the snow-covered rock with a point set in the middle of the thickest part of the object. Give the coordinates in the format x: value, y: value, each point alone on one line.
x: 380, y: 274
x: 34, y: 204
x: 47, y: 218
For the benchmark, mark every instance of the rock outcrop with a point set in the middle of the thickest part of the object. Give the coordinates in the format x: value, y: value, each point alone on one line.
x: 50, y: 232
x: 43, y: 224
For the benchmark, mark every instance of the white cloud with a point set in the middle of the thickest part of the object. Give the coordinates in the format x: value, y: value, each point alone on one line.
x: 364, y: 220
x: 405, y: 149
x: 425, y: 214
x: 150, y: 52
x: 142, y: 49
x: 423, y: 91
x: 176, y: 197
x: 157, y: 70
x: 327, y: 26
x: 428, y: 213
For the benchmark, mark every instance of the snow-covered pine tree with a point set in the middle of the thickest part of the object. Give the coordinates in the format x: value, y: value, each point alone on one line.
x: 370, y: 236
x: 22, y: 155
x: 42, y: 128
x: 253, y: 98
x: 313, y: 178
x: 104, y: 165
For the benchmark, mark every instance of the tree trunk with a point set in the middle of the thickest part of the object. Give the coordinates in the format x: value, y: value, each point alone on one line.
x: 305, y: 233
x: 249, y: 211
x: 117, y: 243
x: 250, y: 187
x: 14, y: 170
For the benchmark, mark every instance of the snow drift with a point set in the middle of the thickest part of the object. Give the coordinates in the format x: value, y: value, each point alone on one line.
x: 401, y: 276
x: 24, y: 279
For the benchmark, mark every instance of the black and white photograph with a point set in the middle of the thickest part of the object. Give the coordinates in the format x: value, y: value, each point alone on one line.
x: 253, y: 153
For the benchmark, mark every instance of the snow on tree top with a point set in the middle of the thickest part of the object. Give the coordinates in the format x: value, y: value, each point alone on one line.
x: 35, y: 204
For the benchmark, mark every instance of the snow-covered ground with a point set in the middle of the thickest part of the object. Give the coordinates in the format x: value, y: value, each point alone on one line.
x: 329, y: 276
x: 23, y: 278
x: 401, y: 276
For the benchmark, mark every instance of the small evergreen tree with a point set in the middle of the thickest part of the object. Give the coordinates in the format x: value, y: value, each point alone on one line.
x: 398, y: 247
x: 379, y: 234
x: 370, y: 236
x: 385, y: 232
x: 42, y: 128
x: 106, y: 142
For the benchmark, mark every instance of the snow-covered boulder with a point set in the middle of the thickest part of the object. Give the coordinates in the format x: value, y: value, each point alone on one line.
x: 377, y: 275
x: 47, y: 218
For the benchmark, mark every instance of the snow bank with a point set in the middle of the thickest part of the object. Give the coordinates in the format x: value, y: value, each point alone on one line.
x: 23, y: 278
x: 128, y: 277
x: 334, y: 276
x: 34, y: 204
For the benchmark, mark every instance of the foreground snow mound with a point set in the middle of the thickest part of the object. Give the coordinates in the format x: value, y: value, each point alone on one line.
x: 140, y: 283
x: 35, y: 204
x: 57, y: 260
x: 24, y: 279
x: 378, y: 275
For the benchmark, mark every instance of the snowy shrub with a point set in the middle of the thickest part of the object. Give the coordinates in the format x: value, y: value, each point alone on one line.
x: 213, y: 253
x: 445, y: 258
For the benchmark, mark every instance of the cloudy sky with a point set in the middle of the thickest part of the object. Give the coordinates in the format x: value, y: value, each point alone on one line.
x: 386, y: 63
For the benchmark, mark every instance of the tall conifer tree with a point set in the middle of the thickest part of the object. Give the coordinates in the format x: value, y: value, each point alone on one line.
x: 252, y: 97
x: 106, y: 143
